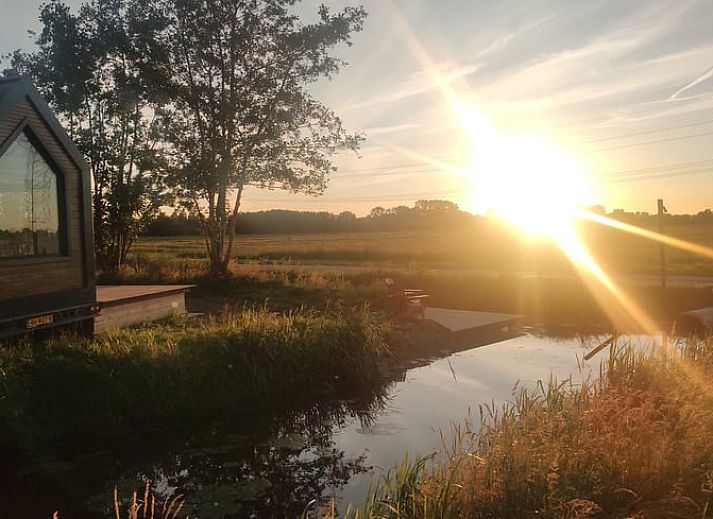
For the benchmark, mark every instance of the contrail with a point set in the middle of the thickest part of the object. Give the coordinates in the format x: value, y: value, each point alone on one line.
x: 700, y: 79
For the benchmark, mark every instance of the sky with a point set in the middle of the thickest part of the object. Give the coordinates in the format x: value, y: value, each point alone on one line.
x: 622, y: 89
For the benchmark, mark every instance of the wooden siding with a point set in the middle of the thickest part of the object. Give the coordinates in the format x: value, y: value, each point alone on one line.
x: 36, y: 277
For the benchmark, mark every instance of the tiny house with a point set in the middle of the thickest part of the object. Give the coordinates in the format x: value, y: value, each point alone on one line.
x: 46, y: 239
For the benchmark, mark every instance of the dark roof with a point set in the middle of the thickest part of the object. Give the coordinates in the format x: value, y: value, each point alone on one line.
x: 14, y: 90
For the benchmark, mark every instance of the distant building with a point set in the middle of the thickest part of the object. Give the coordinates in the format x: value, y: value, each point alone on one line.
x: 46, y: 239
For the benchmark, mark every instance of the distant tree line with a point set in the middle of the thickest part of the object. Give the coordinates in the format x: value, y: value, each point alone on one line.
x: 645, y: 219
x: 424, y: 215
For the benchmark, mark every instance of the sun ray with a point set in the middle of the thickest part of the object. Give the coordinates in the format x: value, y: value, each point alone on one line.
x: 531, y: 184
x: 646, y: 233
x: 419, y: 52
x: 425, y: 159
x: 621, y: 309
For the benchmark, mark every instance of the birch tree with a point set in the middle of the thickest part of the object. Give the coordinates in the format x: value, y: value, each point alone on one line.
x: 244, y: 116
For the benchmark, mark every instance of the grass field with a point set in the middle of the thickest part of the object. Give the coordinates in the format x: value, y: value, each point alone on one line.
x: 487, y: 249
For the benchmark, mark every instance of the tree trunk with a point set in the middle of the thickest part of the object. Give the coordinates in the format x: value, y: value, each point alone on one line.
x: 218, y: 268
x: 221, y: 238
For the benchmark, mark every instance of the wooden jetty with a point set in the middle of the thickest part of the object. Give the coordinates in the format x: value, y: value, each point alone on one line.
x: 468, y: 328
x: 124, y: 305
x: 694, y: 322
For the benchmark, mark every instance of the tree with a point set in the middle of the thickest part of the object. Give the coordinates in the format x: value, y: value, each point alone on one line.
x: 377, y: 212
x: 101, y: 72
x: 437, y: 206
x: 240, y: 70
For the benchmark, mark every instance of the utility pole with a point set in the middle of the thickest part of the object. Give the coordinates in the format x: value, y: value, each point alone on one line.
x: 662, y: 247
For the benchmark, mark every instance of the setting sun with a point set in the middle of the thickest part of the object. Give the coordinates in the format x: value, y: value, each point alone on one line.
x: 525, y: 180
x: 530, y: 183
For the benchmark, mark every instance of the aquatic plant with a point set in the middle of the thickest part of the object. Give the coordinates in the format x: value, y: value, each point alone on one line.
x: 149, y: 507
x: 636, y: 442
x: 145, y: 507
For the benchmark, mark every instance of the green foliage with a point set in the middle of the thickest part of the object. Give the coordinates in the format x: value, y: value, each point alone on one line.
x: 164, y: 374
x: 100, y: 71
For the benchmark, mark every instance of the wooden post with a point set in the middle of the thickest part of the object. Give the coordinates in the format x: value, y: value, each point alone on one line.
x: 662, y: 247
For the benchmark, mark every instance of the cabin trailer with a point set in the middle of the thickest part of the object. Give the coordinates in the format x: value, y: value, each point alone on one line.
x: 46, y: 239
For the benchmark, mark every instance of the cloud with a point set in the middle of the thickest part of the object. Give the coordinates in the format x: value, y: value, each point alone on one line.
x: 700, y: 79
x: 383, y: 130
x: 422, y: 82
x: 597, y: 79
x: 418, y: 83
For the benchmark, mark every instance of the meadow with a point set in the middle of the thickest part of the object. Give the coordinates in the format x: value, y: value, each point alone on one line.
x: 557, y: 297
x: 486, y: 249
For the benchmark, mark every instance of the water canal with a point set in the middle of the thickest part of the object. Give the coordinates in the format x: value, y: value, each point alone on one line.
x: 253, y: 468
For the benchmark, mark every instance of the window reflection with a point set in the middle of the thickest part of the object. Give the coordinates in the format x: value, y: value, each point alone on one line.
x: 29, y: 214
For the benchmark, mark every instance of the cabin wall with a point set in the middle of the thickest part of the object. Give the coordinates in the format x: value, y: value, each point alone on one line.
x: 22, y: 278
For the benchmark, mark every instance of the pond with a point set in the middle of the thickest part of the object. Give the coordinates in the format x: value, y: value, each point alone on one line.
x: 272, y: 468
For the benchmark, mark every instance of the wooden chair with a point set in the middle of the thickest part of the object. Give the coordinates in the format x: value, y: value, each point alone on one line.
x: 406, y: 302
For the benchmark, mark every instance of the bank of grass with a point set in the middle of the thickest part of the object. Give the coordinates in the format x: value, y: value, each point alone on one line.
x: 542, y: 300
x: 635, y: 443
x: 182, y: 371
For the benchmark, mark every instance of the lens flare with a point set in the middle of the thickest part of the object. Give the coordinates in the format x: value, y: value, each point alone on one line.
x: 536, y: 187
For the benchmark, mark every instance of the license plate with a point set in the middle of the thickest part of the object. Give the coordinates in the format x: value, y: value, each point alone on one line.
x: 34, y: 322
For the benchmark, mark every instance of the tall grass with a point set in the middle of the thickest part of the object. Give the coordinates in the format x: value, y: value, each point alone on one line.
x: 145, y: 506
x: 146, y: 377
x: 636, y: 442
x: 148, y: 507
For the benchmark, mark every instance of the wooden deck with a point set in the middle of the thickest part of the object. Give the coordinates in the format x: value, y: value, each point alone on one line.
x: 470, y: 328
x: 464, y: 320
x: 125, y: 305
x: 111, y: 294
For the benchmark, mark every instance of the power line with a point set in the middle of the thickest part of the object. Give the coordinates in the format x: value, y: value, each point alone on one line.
x: 657, y: 141
x: 626, y: 172
x: 654, y: 173
x: 661, y: 175
x: 424, y: 168
x: 394, y: 167
x: 675, y: 165
x: 649, y: 132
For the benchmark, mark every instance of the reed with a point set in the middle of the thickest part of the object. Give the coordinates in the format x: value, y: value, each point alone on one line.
x: 635, y: 442
x: 148, y: 507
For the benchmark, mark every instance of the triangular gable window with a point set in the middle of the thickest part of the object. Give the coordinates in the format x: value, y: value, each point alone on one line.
x: 30, y: 223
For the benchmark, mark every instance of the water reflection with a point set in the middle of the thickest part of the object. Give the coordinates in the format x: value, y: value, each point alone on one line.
x: 272, y: 467
x: 252, y: 468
